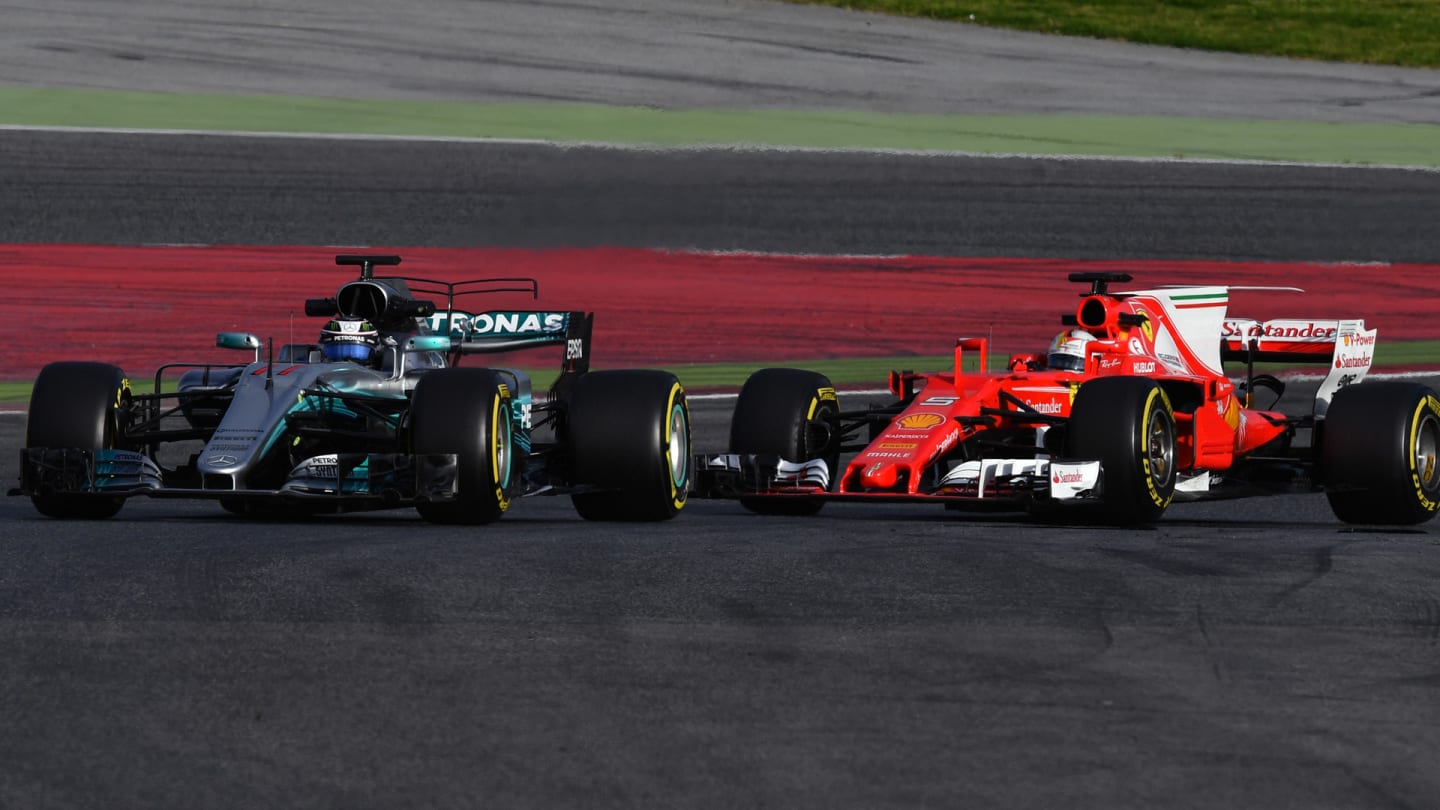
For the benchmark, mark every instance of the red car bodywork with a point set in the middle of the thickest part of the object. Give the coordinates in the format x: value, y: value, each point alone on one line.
x: 1138, y: 334
x: 1014, y: 437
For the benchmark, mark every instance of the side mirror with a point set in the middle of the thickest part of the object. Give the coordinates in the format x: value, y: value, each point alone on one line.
x: 321, y: 307
x: 415, y: 309
x: 239, y: 340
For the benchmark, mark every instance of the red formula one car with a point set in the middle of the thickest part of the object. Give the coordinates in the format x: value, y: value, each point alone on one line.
x: 1130, y: 411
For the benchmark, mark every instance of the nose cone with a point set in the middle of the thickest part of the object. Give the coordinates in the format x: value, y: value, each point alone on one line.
x: 880, y: 476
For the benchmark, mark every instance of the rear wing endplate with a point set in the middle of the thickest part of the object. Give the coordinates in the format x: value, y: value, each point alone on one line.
x: 1346, y: 347
x: 513, y: 330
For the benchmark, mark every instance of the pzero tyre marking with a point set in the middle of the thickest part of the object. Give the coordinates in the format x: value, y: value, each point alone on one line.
x: 1425, y: 447
x: 780, y: 411
x: 1128, y: 424
x: 677, y: 446
x: 628, y: 437
x: 77, y: 405
x: 500, y: 446
x: 467, y: 412
x: 1159, y: 458
x: 1380, y: 453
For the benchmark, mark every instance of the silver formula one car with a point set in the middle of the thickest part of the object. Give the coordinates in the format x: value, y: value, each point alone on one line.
x: 375, y: 415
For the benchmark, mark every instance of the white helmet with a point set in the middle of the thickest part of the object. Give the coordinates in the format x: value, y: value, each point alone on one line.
x: 1067, y: 350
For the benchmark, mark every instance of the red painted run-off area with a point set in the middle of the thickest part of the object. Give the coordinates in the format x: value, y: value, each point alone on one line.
x: 139, y: 307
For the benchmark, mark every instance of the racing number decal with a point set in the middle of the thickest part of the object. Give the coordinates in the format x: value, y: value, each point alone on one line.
x: 679, y: 475
x: 1423, y: 470
x: 1147, y: 462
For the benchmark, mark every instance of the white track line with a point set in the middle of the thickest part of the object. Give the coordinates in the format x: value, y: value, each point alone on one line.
x: 737, y: 147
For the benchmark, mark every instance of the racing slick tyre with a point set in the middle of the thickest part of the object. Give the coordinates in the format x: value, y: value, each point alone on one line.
x: 1380, y: 453
x: 1128, y: 424
x: 792, y: 413
x: 628, y: 437
x: 468, y: 412
x: 77, y: 404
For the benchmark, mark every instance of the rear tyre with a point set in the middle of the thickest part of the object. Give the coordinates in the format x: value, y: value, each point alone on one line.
x: 1127, y: 423
x: 628, y: 432
x: 466, y: 411
x: 1378, y: 454
x: 792, y: 413
x: 77, y: 404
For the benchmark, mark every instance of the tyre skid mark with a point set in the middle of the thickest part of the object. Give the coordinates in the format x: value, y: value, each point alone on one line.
x: 1324, y: 563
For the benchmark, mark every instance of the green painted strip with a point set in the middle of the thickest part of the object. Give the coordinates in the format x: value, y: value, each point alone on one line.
x: 1128, y: 136
x: 1225, y: 296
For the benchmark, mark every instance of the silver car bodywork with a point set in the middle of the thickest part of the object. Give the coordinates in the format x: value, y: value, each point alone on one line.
x: 288, y: 429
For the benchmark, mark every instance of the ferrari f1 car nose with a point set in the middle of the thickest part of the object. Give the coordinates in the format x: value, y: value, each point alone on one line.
x: 880, y: 475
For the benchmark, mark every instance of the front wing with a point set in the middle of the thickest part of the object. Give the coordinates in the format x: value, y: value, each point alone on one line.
x: 985, y: 483
x: 350, y: 481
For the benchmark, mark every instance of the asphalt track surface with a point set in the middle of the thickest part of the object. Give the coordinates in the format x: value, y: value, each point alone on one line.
x: 186, y: 189
x: 736, y: 54
x: 1242, y: 654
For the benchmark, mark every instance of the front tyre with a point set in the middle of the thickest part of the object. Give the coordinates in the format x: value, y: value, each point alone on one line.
x: 77, y: 405
x: 466, y: 411
x: 1128, y: 424
x: 791, y: 413
x: 1378, y: 454
x: 628, y: 434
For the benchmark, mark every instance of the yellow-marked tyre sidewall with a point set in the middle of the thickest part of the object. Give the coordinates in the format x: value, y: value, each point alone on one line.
x: 1111, y: 420
x: 677, y: 451
x: 627, y: 460
x: 1160, y: 496
x: 467, y: 412
x: 1378, y: 452
x: 1424, y: 464
x: 502, y: 462
x: 77, y: 404
x: 777, y: 413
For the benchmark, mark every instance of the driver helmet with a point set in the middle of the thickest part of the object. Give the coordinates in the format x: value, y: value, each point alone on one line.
x: 1067, y: 350
x: 349, y: 339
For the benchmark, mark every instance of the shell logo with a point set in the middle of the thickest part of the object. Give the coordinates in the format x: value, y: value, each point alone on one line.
x: 921, y: 421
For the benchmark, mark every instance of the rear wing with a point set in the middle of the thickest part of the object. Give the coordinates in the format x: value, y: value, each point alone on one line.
x: 513, y: 330
x: 486, y: 332
x: 1346, y: 347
